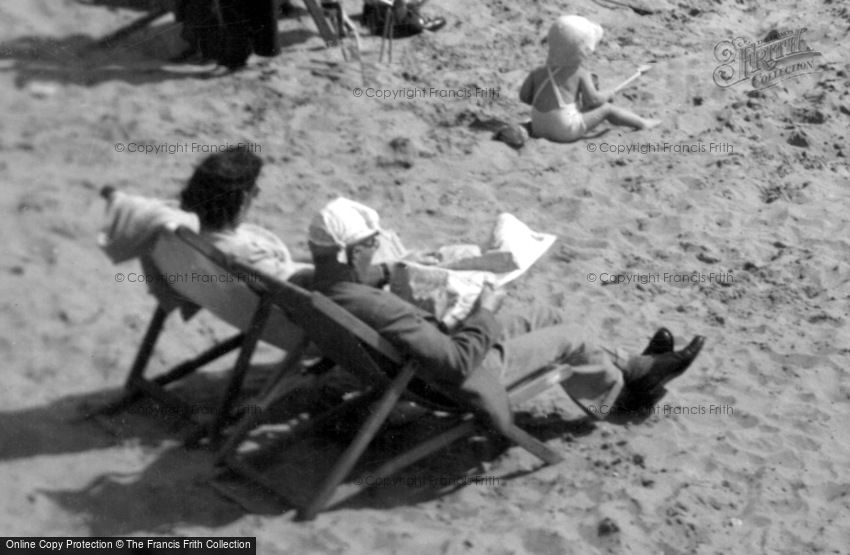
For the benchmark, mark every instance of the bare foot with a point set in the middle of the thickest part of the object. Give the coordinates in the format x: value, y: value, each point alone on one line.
x: 650, y: 123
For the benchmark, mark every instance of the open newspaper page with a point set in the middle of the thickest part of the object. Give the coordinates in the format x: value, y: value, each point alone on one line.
x: 447, y: 282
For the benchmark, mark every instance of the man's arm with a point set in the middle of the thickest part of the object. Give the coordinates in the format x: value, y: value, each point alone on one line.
x: 446, y: 358
x: 379, y: 275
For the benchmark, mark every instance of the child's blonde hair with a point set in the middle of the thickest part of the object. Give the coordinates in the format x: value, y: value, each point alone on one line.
x: 572, y: 38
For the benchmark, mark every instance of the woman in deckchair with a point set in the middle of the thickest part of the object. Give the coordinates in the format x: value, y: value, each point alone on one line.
x: 565, y: 103
x: 214, y: 203
x: 221, y: 192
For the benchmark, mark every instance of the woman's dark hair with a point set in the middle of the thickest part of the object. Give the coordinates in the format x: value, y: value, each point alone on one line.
x: 220, y: 186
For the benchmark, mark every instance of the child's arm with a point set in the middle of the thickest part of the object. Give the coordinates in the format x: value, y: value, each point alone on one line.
x: 591, y: 96
x: 526, y: 92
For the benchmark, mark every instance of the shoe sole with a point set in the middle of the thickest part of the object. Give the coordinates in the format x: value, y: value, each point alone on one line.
x: 667, y: 379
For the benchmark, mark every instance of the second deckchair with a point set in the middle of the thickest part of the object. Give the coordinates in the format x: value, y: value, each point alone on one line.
x: 190, y: 273
x: 359, y: 349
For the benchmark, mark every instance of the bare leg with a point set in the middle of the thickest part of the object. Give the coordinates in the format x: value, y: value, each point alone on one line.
x: 617, y: 116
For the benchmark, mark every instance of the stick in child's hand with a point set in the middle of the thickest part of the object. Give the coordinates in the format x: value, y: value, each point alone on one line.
x: 640, y: 71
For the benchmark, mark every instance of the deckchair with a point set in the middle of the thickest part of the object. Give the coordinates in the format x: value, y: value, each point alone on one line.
x: 319, y: 18
x: 389, y: 378
x: 190, y: 274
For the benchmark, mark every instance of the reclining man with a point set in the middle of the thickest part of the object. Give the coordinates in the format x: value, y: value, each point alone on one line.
x: 486, y: 348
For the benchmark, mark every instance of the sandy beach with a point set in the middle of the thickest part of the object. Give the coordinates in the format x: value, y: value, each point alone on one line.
x: 729, y: 220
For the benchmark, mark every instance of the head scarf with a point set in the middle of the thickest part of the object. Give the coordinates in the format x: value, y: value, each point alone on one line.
x: 341, y: 223
x: 572, y: 38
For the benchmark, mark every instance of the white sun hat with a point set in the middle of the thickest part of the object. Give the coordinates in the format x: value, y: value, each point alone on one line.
x: 343, y: 222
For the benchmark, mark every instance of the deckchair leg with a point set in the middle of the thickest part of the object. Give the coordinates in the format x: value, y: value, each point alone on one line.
x: 290, y: 362
x: 399, y: 463
x: 274, y: 392
x: 143, y: 355
x: 184, y: 369
x: 249, y: 343
x: 299, y: 430
x: 318, y: 16
x: 127, y: 30
x: 444, y: 439
x: 386, y: 33
x: 364, y: 436
x: 532, y: 445
x: 146, y: 348
x: 134, y: 388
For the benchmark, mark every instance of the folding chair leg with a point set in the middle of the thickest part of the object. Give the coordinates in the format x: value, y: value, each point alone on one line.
x: 291, y: 361
x: 387, y: 34
x: 533, y: 445
x: 184, y: 369
x: 399, y: 463
x: 225, y: 455
x: 442, y: 440
x: 146, y: 348
x: 249, y: 343
x: 364, y: 436
x: 143, y: 355
x: 318, y: 16
x: 390, y: 37
x: 273, y: 392
x: 127, y: 30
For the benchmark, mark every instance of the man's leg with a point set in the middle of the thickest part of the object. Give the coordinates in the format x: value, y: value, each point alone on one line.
x: 537, y: 317
x: 540, y: 337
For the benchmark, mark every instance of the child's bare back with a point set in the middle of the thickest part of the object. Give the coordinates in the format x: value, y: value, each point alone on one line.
x: 574, y: 86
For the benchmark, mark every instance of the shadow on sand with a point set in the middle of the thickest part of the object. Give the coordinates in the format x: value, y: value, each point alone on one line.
x: 143, y: 56
x: 175, y: 488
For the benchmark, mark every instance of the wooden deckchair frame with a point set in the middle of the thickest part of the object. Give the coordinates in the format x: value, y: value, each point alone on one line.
x: 354, y: 346
x: 137, y: 385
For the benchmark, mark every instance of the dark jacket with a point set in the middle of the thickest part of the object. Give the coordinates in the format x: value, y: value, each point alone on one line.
x: 451, y: 360
x: 448, y: 358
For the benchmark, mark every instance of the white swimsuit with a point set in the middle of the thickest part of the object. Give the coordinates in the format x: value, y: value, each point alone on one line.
x: 564, y: 124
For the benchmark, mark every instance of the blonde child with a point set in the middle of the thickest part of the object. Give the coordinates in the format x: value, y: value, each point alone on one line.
x: 565, y: 103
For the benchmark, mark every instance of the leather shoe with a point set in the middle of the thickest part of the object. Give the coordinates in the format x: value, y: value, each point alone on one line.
x: 661, y: 342
x: 665, y: 367
x: 641, y: 392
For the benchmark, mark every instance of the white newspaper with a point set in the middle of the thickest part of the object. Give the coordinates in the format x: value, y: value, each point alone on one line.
x: 447, y: 282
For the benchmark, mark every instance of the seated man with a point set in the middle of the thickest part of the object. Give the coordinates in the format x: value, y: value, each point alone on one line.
x: 484, y: 348
x: 214, y: 203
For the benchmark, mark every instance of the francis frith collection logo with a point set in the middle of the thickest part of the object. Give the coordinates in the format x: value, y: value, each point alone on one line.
x: 777, y: 57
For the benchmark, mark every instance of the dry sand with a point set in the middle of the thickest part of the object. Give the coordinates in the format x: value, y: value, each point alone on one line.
x: 767, y: 474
